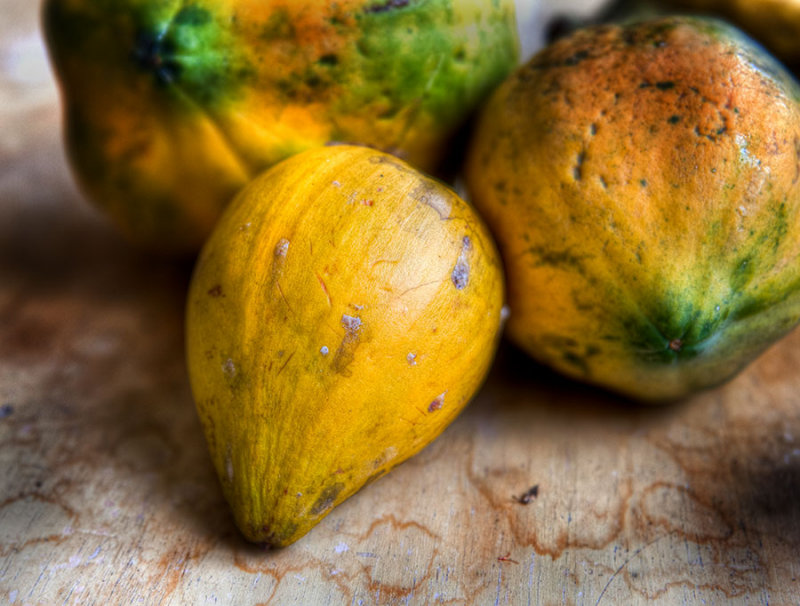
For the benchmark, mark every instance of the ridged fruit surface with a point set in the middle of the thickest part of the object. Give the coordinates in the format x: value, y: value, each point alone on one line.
x: 171, y: 107
x: 642, y: 183
x: 343, y: 312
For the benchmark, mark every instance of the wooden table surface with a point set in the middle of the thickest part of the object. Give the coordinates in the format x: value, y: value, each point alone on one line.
x: 107, y: 495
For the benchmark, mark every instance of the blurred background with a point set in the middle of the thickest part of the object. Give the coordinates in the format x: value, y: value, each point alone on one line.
x: 774, y: 23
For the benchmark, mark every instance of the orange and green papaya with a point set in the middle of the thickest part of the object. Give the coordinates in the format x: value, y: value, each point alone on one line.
x: 643, y: 184
x: 170, y: 107
x: 343, y: 312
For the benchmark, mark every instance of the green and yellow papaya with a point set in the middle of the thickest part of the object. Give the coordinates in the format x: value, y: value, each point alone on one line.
x: 171, y: 107
x: 643, y: 184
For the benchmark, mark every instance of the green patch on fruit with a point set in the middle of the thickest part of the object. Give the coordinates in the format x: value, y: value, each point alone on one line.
x: 396, y: 33
x: 193, y: 50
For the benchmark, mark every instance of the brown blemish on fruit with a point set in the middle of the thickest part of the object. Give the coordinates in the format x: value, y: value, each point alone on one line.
x: 325, y: 290
x: 577, y: 170
x: 437, y: 403
x: 346, y: 352
x: 460, y: 273
x: 326, y: 499
x: 281, y: 248
x: 283, y: 366
x: 427, y: 193
x: 279, y: 260
x: 215, y: 291
x: 386, y: 6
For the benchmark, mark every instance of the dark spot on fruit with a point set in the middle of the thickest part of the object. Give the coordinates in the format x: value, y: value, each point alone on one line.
x: 155, y: 54
x: 312, y: 80
x: 674, y: 119
x: 216, y: 291
x: 577, y: 170
x: 643, y: 182
x: 557, y: 258
x: 460, y: 274
x: 665, y: 85
x: 6, y: 410
x: 386, y: 6
x: 326, y: 499
x: 437, y: 403
x: 576, y: 58
x: 330, y: 59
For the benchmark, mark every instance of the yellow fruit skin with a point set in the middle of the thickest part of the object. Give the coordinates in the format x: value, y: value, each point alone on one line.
x: 171, y: 107
x: 343, y: 312
x: 642, y: 184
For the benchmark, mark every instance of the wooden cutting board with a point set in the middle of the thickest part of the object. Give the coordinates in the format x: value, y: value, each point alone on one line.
x: 107, y: 495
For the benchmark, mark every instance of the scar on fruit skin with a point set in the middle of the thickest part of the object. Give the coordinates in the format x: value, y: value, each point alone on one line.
x: 346, y: 352
x: 279, y: 260
x: 325, y: 290
x: 460, y: 274
x: 327, y: 498
x: 427, y: 193
x: 437, y: 403
x: 281, y: 248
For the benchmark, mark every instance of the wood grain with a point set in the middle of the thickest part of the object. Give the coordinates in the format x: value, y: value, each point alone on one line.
x: 107, y: 495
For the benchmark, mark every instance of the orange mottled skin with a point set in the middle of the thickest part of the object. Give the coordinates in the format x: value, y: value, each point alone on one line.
x: 642, y: 182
